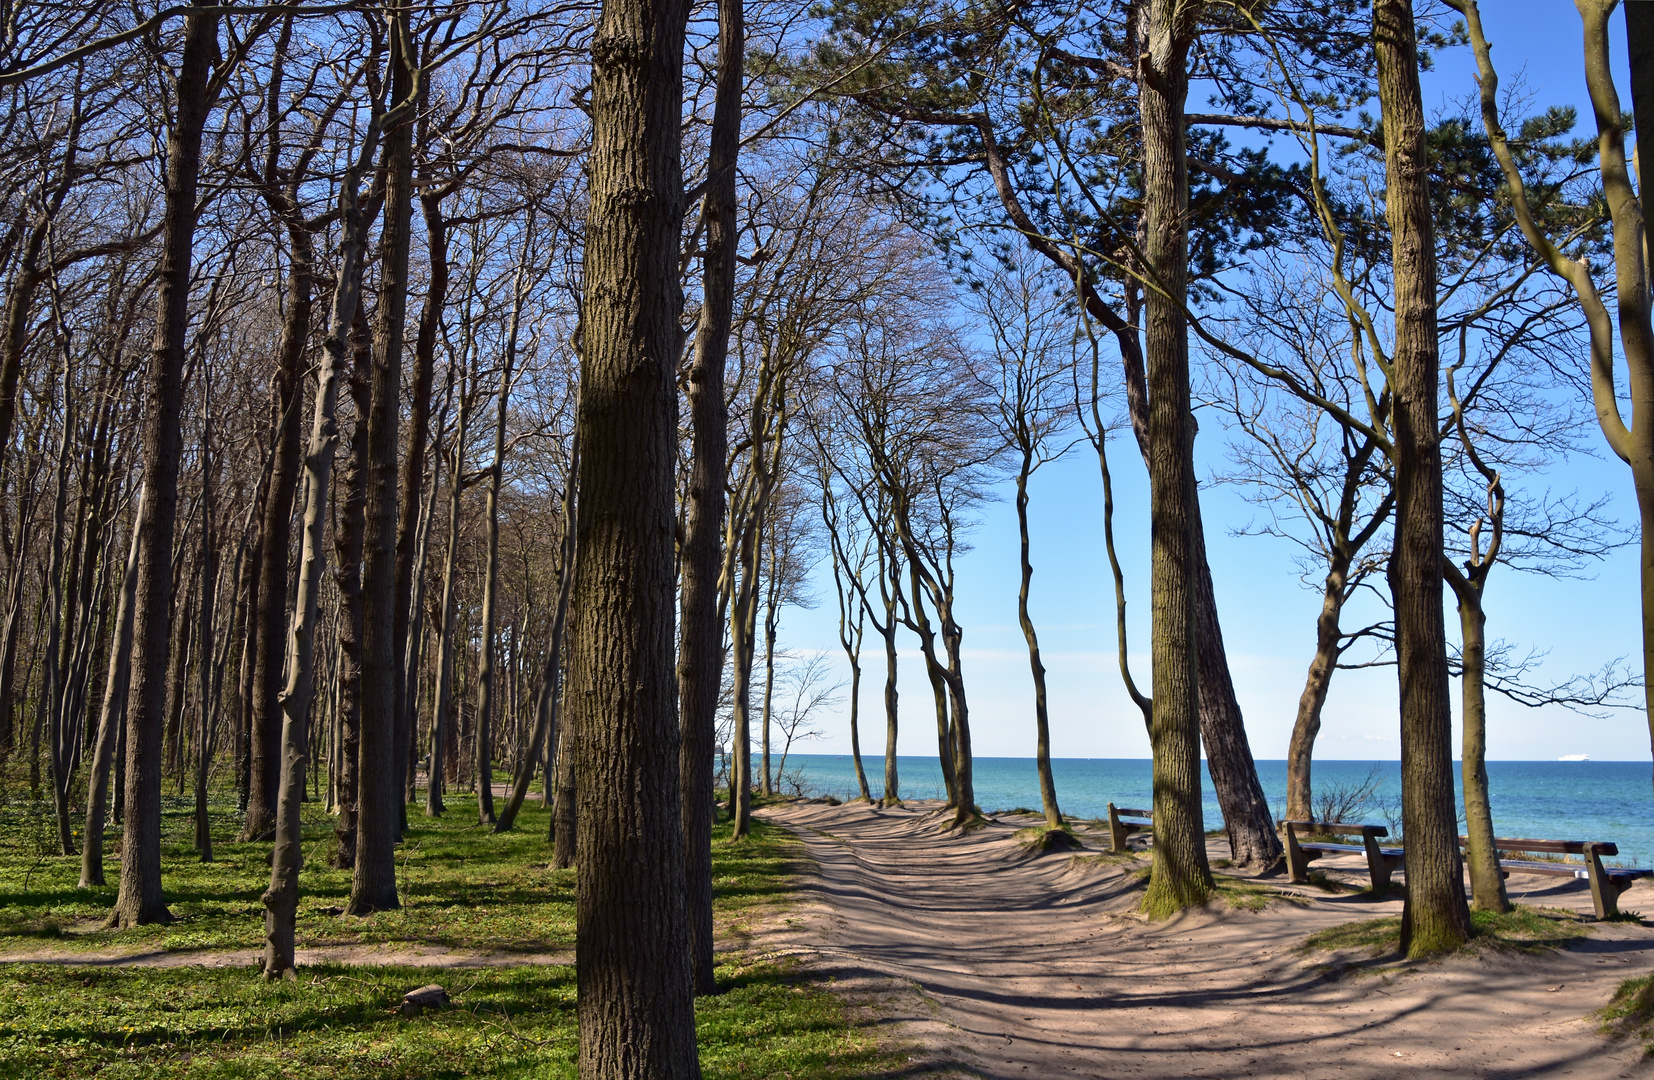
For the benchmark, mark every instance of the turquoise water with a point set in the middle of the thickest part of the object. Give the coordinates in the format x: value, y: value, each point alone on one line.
x: 1563, y: 800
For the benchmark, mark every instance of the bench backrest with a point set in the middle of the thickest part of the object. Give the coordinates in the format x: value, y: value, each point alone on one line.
x: 1335, y: 828
x: 1125, y: 812
x: 1605, y: 848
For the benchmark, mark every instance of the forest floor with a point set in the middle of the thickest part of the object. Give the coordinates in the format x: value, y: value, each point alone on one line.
x: 1000, y: 962
x: 483, y: 915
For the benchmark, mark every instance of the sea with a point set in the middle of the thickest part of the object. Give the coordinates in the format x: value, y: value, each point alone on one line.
x: 1554, y: 800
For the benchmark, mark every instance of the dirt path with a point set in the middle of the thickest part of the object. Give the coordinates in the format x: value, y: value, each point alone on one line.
x: 1004, y: 965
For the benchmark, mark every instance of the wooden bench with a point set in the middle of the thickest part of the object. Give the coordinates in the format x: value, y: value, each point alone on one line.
x: 1381, y: 861
x: 1122, y: 823
x: 1607, y: 882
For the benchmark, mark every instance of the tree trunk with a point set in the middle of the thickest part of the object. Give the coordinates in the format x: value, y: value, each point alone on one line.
x: 113, y: 712
x: 281, y: 899
x: 348, y: 548
x: 888, y: 579
x: 772, y: 605
x: 1299, y: 796
x: 496, y: 472
x: 1487, y: 882
x: 938, y: 681
x: 1042, y: 722
x: 546, y: 702
x: 442, y: 719
x: 701, y: 644
x: 1435, y: 918
x: 379, y: 790
x: 140, y: 900
x: 410, y: 550
x: 636, y: 1002
x: 270, y: 645
x: 1180, y: 877
x: 564, y: 817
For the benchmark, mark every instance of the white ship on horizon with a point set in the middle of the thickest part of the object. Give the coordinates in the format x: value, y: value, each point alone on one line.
x: 1574, y: 757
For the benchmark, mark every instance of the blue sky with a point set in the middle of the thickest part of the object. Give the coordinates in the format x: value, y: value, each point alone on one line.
x: 1268, y: 617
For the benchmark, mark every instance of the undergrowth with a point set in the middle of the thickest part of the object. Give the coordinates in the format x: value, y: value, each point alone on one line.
x: 1522, y: 929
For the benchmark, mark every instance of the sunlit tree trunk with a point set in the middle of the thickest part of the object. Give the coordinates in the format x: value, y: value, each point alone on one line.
x: 636, y: 997
x: 1180, y: 877
x: 1435, y: 918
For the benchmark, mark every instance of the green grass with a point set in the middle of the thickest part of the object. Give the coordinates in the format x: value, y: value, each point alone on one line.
x: 1630, y: 1012
x: 463, y: 886
x: 336, y: 1022
x: 1522, y: 929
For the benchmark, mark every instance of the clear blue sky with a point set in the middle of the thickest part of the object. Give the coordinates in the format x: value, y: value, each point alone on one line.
x: 1268, y: 618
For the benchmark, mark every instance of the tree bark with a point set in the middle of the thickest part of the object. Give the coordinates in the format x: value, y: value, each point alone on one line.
x: 410, y: 553
x: 112, y: 713
x: 636, y: 1000
x: 446, y: 643
x: 1042, y: 721
x: 1180, y: 877
x: 491, y: 574
x: 348, y: 549
x: 140, y: 899
x: 1435, y: 918
x: 270, y: 645
x: 549, y: 697
x: 1307, y: 724
x: 1487, y: 881
x: 701, y: 646
x: 379, y: 811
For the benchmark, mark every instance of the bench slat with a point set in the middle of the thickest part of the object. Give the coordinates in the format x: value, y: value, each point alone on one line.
x: 1337, y: 827
x: 1605, y: 848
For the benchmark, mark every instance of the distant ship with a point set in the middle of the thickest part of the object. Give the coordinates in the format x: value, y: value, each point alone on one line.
x: 1574, y: 757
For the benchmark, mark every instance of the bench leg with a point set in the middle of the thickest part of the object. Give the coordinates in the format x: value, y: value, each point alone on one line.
x: 1378, y: 865
x: 1297, y: 863
x: 1605, y: 891
x: 1116, y: 832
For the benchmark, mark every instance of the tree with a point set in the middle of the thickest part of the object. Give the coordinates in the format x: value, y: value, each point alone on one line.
x: 1031, y: 366
x: 634, y: 966
x: 140, y: 900
x: 1632, y: 443
x: 1435, y: 918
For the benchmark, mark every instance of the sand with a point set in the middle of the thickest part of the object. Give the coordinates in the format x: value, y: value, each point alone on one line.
x: 993, y: 962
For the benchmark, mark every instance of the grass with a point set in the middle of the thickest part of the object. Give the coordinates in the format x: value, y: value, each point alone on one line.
x: 1522, y: 929
x: 1630, y: 1012
x: 1040, y: 839
x: 463, y: 886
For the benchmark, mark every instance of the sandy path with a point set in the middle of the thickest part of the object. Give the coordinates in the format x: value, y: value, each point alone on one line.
x: 1037, y: 967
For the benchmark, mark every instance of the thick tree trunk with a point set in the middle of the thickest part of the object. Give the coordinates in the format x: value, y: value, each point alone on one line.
x: 1180, y: 876
x: 1435, y: 918
x: 1042, y: 722
x: 140, y: 900
x: 636, y: 1003
x: 701, y: 644
x: 112, y: 713
x: 379, y: 810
